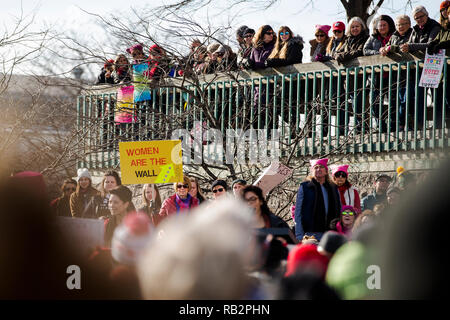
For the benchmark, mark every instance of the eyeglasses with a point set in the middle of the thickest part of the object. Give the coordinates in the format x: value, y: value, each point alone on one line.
x: 252, y: 199
x: 270, y: 33
x: 419, y: 17
x: 70, y: 189
x: 337, y: 31
x: 179, y: 186
x: 320, y: 35
x: 340, y: 174
x: 348, y: 213
x: 218, y: 190
x: 248, y: 36
x: 284, y: 33
x: 402, y: 24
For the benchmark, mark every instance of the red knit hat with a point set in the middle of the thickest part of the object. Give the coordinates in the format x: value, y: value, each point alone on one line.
x: 306, y: 256
x: 444, y: 5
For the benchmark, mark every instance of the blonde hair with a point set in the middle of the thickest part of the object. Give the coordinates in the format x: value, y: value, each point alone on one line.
x: 280, y: 48
x: 186, y: 180
x: 349, y: 26
x: 155, y: 195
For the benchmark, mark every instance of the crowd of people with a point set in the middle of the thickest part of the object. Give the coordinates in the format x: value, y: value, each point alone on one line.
x: 266, y: 48
x: 328, y: 213
x: 225, y: 244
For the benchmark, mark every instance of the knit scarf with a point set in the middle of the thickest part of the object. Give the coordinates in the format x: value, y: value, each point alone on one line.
x: 182, y: 204
x: 384, y: 40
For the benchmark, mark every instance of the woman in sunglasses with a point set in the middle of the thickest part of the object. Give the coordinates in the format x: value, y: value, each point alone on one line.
x: 61, y: 205
x: 287, y: 50
x: 320, y: 43
x: 181, y: 201
x: 337, y: 39
x: 263, y: 44
x: 254, y: 198
x: 345, y: 223
x: 349, y: 195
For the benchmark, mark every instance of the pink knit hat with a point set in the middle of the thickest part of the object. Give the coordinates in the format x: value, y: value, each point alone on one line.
x: 131, y: 238
x: 322, y: 162
x: 325, y: 28
x: 337, y: 168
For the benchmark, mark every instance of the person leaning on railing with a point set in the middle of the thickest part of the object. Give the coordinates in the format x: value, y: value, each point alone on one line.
x: 442, y: 41
x: 263, y: 44
x: 352, y: 48
x: 383, y: 28
x: 400, y: 36
x: 287, y: 50
x: 121, y: 73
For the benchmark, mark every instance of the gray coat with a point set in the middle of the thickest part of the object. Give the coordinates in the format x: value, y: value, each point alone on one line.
x: 420, y: 38
x: 372, y: 46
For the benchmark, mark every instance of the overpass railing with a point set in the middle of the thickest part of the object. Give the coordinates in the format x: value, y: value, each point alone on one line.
x: 370, y: 105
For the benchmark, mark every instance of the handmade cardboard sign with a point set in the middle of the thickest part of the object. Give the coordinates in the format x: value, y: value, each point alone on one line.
x: 432, y: 70
x: 272, y: 176
x: 156, y: 161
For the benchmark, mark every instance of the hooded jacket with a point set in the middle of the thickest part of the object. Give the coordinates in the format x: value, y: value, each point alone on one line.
x: 293, y: 55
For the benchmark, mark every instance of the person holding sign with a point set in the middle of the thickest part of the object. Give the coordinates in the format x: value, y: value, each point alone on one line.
x: 110, y: 180
x: 181, y: 201
x: 318, y: 202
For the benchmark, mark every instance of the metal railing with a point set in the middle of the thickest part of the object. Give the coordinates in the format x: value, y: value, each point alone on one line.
x: 373, y: 104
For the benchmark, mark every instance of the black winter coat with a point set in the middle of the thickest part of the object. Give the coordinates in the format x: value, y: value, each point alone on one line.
x: 293, y: 55
x: 352, y: 48
x: 420, y: 38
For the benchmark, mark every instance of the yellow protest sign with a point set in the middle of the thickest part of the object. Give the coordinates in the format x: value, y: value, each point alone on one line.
x: 156, y: 161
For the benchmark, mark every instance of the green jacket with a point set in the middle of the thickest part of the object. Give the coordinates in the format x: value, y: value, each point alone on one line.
x: 442, y: 41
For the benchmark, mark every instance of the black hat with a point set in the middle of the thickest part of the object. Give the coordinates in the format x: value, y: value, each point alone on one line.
x: 240, y: 181
x: 240, y: 31
x: 219, y: 183
x: 331, y: 241
x: 248, y: 31
x: 383, y: 175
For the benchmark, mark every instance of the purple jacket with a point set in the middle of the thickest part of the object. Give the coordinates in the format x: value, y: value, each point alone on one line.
x: 259, y: 55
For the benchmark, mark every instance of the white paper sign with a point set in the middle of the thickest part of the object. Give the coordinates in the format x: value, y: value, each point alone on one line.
x: 272, y: 176
x: 85, y: 234
x: 432, y: 70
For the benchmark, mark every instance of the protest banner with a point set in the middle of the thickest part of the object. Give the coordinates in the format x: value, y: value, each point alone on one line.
x: 272, y: 176
x: 432, y: 69
x: 156, y: 161
x: 141, y: 82
x: 125, y: 111
x: 85, y: 234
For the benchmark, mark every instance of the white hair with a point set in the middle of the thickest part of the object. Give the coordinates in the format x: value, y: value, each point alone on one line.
x: 419, y: 9
x: 201, y: 255
x: 355, y: 19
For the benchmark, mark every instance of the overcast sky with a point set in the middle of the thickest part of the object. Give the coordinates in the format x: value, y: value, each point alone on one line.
x: 294, y: 13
